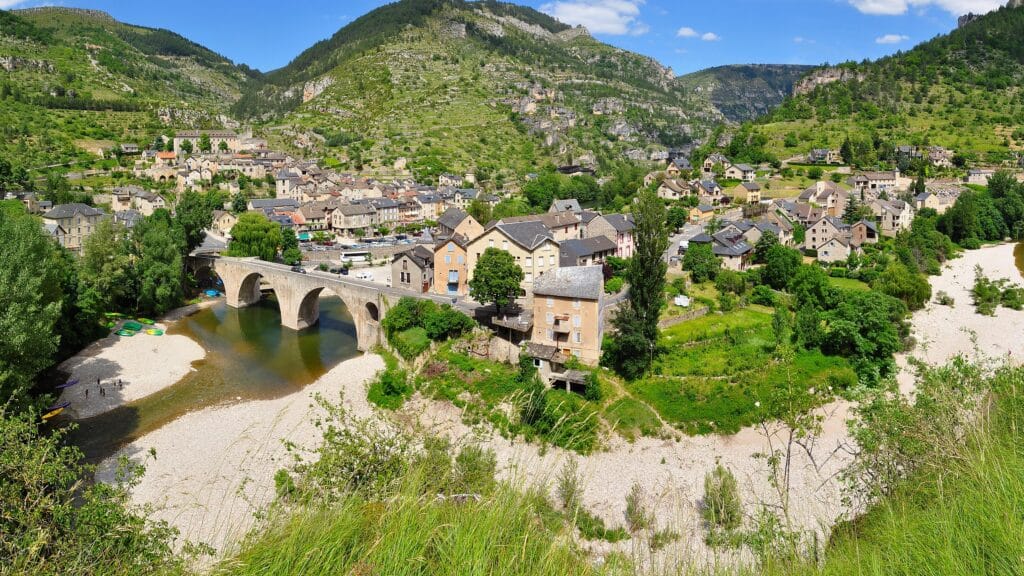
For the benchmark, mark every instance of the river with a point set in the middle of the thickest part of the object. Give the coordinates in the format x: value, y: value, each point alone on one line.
x: 249, y: 356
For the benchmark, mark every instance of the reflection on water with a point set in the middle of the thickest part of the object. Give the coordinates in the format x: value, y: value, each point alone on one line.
x: 249, y: 356
x: 1018, y: 256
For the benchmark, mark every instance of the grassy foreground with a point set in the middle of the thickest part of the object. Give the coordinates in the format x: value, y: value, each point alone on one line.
x: 948, y: 504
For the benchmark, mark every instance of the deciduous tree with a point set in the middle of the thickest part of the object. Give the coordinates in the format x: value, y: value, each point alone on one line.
x: 496, y: 278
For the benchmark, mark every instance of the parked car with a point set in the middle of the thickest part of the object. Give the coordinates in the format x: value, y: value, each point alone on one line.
x: 298, y: 269
x: 344, y: 272
x: 364, y: 276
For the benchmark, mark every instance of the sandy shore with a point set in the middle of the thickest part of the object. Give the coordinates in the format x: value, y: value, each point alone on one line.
x: 214, y: 468
x: 142, y: 363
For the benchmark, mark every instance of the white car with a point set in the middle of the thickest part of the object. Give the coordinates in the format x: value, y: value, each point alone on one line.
x: 364, y: 276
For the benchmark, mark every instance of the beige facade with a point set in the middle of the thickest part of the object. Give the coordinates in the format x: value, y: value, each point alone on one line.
x: 77, y: 220
x: 567, y: 312
x: 534, y: 250
x: 451, y: 268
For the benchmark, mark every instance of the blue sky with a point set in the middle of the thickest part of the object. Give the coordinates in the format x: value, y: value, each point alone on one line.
x: 687, y: 35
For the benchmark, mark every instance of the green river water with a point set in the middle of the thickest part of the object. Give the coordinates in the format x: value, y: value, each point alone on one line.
x: 249, y: 356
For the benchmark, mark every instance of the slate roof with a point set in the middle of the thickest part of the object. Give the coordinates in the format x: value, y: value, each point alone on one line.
x: 529, y: 235
x: 128, y: 218
x: 621, y: 222
x: 61, y: 211
x: 420, y: 255
x: 451, y: 218
x: 572, y: 250
x: 567, y: 205
x: 264, y: 203
x: 583, y: 282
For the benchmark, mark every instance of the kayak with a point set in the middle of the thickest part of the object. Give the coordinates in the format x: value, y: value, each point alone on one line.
x: 113, y: 315
x: 146, y: 321
x: 155, y: 332
x: 52, y: 413
x: 68, y: 384
x: 132, y: 325
x: 125, y: 333
x: 60, y: 406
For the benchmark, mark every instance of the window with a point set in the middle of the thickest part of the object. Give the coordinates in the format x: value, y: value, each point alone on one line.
x: 551, y: 334
x: 462, y: 259
x: 576, y: 303
x: 550, y: 318
x: 490, y: 243
x: 551, y: 302
x: 551, y: 260
x: 451, y: 247
x: 578, y: 337
x: 504, y: 245
x: 536, y: 362
x: 529, y: 260
x: 577, y: 321
x: 448, y: 259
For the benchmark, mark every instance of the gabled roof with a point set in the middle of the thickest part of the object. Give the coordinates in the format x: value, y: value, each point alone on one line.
x: 621, y: 222
x: 868, y: 224
x: 62, y: 211
x: 451, y: 218
x: 751, y: 186
x: 583, y: 282
x: 744, y: 167
x: 567, y: 205
x: 419, y: 254
x: 264, y: 203
x: 572, y: 250
x: 529, y: 235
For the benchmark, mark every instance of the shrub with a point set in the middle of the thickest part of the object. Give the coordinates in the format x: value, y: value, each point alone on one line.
x: 568, y: 488
x: 662, y: 538
x: 390, y: 389
x: 592, y: 528
x: 944, y: 299
x: 727, y: 302
x: 838, y: 272
x: 593, y: 390
x: 284, y: 486
x: 614, y: 285
x: 445, y: 322
x: 411, y: 343
x: 762, y: 295
x: 722, y: 505
x: 637, y: 515
x: 474, y: 470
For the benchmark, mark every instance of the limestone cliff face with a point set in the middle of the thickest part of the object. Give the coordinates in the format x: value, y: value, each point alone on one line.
x: 823, y: 77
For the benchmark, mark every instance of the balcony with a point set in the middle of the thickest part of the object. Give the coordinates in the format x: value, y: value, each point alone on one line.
x: 562, y: 325
x: 521, y: 322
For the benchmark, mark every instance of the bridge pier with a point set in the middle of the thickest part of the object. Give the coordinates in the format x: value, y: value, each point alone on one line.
x: 298, y: 296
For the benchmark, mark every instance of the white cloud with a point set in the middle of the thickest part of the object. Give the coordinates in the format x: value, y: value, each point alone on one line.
x: 891, y: 39
x: 5, y: 4
x: 710, y: 37
x: 686, y: 32
x: 802, y: 40
x: 614, y: 17
x: 896, y: 7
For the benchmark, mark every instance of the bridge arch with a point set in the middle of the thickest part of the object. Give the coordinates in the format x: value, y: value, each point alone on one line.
x: 298, y: 296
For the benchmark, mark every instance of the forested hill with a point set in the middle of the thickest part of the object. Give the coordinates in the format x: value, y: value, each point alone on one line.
x: 745, y: 91
x: 75, y: 81
x: 486, y: 86
x: 960, y: 90
x: 85, y: 59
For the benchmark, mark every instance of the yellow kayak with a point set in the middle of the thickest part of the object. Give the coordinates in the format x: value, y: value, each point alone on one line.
x: 52, y: 413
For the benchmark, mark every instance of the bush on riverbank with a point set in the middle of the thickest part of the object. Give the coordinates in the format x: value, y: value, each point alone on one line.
x: 52, y: 524
x: 411, y: 324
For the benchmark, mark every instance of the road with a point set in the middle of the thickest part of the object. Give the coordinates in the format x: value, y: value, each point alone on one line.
x: 688, y: 231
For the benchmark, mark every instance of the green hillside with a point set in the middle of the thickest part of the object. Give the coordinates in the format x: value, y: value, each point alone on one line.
x: 744, y: 92
x: 484, y: 86
x: 960, y: 90
x: 78, y: 76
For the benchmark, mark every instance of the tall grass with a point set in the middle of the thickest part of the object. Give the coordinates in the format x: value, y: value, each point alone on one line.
x: 508, y: 533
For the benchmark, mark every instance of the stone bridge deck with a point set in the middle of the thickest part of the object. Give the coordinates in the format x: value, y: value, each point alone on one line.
x: 298, y: 294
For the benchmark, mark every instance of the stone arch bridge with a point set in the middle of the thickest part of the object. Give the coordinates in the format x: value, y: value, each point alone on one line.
x: 298, y: 294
